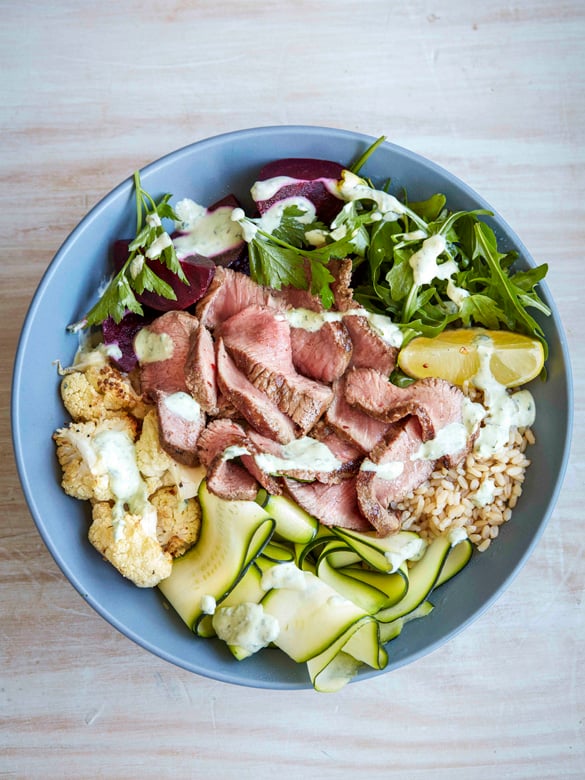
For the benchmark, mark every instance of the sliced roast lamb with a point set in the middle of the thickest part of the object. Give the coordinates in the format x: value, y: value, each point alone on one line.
x: 181, y: 421
x: 347, y: 453
x: 369, y: 349
x: 306, y: 459
x: 322, y: 354
x: 353, y: 425
x: 253, y: 404
x: 435, y: 402
x: 333, y: 505
x: 200, y: 370
x: 229, y: 293
x: 258, y: 340
x: 226, y: 477
x: 162, y: 348
x: 341, y: 286
x: 390, y: 472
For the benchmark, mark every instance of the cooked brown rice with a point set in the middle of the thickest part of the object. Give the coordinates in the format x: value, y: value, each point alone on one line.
x: 446, y: 501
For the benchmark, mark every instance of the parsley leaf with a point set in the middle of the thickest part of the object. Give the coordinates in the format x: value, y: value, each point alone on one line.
x: 152, y: 242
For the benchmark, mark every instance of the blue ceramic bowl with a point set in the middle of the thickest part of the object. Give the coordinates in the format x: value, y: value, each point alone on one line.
x: 206, y: 171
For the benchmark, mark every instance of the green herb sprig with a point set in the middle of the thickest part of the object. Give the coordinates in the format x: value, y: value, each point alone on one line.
x: 152, y: 242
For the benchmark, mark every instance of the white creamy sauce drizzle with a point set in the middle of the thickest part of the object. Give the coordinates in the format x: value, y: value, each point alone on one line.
x: 151, y: 347
x: 272, y: 217
x: 245, y: 625
x: 267, y: 189
x: 183, y: 405
x: 413, y: 235
x: 450, y: 439
x: 389, y: 471
x: 424, y: 261
x: 457, y: 535
x: 312, y: 321
x: 456, y: 294
x: 283, y: 575
x: 158, y: 246
x: 412, y: 549
x: 153, y: 220
x: 208, y: 233
x: 115, y: 457
x: 304, y: 454
x: 352, y: 187
x: 234, y: 452
x: 208, y: 604
x: 505, y: 410
x: 485, y: 493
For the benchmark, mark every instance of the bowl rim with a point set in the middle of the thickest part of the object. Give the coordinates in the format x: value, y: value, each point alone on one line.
x: 53, y: 267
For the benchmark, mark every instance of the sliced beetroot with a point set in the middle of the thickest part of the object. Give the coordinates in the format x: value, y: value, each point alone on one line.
x: 226, y: 255
x: 121, y: 334
x: 312, y: 178
x: 198, y: 270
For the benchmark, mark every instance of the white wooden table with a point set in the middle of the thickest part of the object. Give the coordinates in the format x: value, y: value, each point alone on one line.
x: 492, y: 91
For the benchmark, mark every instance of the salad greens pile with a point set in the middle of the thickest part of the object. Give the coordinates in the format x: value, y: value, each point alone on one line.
x: 490, y: 292
x: 476, y: 284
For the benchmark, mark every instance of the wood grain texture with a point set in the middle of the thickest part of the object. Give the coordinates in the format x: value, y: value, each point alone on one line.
x: 91, y: 91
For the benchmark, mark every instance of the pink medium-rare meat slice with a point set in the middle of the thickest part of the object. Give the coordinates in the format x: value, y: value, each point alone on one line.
x: 226, y: 478
x: 353, y: 425
x: 162, y: 348
x: 214, y: 447
x: 253, y: 404
x: 217, y: 436
x: 369, y: 349
x: 295, y: 298
x: 332, y: 505
x: 346, y: 452
x: 322, y: 354
x: 258, y: 340
x: 200, y: 370
x: 306, y: 459
x: 230, y: 481
x: 229, y: 293
x: 389, y: 474
x: 181, y: 421
x: 435, y: 402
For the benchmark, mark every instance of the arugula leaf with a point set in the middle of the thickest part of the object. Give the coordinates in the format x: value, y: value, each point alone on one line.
x: 431, y: 208
x: 511, y: 302
x: 481, y: 309
x: 358, y: 164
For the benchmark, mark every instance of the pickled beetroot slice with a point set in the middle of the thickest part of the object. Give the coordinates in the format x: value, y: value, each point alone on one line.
x: 311, y: 177
x: 230, y: 256
x: 121, y: 334
x: 198, y: 270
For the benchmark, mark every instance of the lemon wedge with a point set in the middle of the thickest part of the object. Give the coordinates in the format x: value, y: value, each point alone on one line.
x: 453, y: 355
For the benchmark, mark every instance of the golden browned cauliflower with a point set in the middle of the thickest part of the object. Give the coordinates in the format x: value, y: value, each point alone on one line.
x: 154, y: 463
x: 83, y: 473
x: 131, y: 544
x: 178, y: 520
x: 98, y: 392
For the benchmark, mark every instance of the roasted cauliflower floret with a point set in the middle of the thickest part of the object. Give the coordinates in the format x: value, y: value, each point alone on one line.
x: 130, y: 544
x: 154, y: 463
x: 85, y: 475
x: 98, y: 392
x: 178, y: 520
